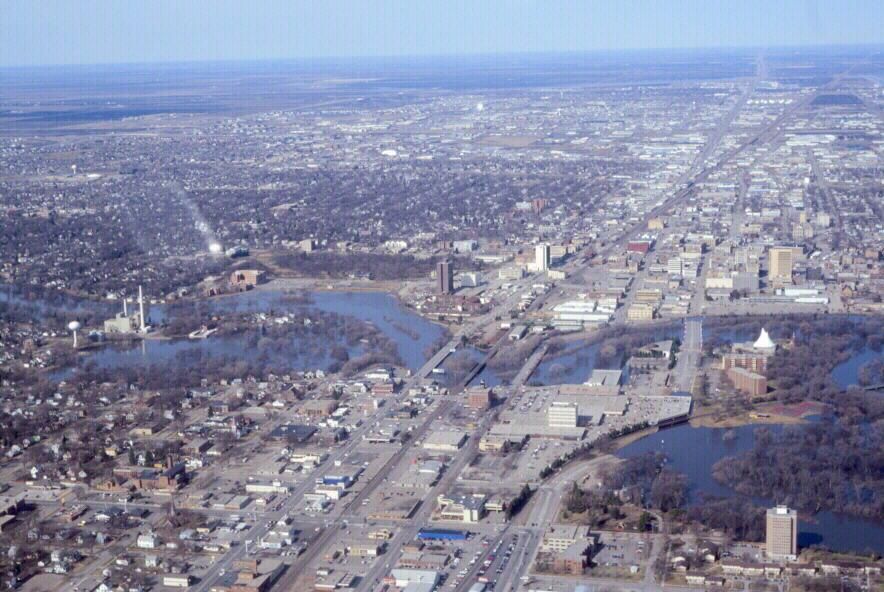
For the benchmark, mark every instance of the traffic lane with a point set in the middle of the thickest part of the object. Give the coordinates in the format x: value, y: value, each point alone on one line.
x: 517, y: 565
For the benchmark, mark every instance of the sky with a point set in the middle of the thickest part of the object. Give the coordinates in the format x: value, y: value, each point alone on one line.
x: 49, y: 32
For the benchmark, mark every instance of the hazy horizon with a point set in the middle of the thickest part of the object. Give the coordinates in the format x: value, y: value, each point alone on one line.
x: 666, y: 52
x: 103, y: 32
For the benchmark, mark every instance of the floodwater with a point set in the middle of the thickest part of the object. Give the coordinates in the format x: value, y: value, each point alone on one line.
x: 454, y: 373
x: 846, y: 374
x: 412, y: 334
x: 693, y: 451
x: 580, y: 359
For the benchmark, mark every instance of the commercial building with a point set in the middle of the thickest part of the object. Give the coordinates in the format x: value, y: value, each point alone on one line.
x: 294, y: 433
x: 780, y: 262
x: 640, y: 312
x: 748, y: 361
x: 495, y: 443
x: 639, y: 246
x: 605, y: 378
x: 478, y: 397
x: 461, y: 508
x: 465, y: 246
x: 445, y: 277
x: 559, y: 537
x: 748, y: 382
x: 781, y: 540
x: 177, y: 581
x: 253, y: 575
x: 318, y: 408
x: 441, y: 534
x: 512, y: 272
x: 366, y: 549
x: 171, y: 478
x: 562, y: 414
x: 542, y: 257
x: 570, y: 547
x: 245, y: 279
x: 445, y: 441
x: 404, y: 577
x: 583, y: 311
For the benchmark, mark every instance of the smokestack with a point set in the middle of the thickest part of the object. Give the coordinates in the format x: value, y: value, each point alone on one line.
x: 125, y: 312
x: 141, y: 309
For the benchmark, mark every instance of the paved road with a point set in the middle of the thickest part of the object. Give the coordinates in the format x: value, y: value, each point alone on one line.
x: 463, y: 457
x: 689, y: 354
x: 543, y: 509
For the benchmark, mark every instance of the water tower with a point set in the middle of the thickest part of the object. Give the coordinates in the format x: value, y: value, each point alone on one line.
x: 74, y: 326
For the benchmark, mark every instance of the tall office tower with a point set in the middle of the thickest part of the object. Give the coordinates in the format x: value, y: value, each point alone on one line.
x: 541, y: 257
x: 781, y: 541
x: 445, y: 277
x: 780, y: 261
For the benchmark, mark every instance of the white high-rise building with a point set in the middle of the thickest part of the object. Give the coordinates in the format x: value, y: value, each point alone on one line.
x: 542, y: 257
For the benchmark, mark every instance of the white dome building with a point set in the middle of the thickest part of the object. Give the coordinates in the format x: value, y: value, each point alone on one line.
x: 764, y: 342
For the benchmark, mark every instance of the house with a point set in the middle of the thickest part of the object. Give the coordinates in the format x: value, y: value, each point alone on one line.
x: 146, y: 541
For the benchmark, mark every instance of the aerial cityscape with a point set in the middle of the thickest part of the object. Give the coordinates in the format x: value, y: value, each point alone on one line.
x: 574, y: 321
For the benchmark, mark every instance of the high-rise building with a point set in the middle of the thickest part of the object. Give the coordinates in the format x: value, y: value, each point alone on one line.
x: 542, y: 257
x: 781, y: 541
x: 562, y: 414
x: 445, y: 277
x: 780, y: 262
